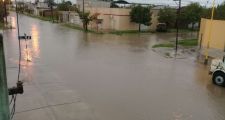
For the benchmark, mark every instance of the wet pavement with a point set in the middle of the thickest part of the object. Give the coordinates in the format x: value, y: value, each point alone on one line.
x: 83, y: 76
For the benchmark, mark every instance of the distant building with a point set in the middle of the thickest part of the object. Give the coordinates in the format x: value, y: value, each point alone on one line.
x: 40, y: 7
x: 110, y: 19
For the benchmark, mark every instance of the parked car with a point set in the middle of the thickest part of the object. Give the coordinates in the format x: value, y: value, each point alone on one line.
x: 161, y: 27
x: 217, y: 70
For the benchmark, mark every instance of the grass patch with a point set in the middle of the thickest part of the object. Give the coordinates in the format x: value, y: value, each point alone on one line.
x: 168, y: 45
x: 184, y: 43
x: 49, y: 18
x: 182, y: 30
x: 188, y: 42
x: 72, y: 26
x: 128, y: 32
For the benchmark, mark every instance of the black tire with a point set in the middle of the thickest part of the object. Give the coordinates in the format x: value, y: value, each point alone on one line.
x: 219, y: 78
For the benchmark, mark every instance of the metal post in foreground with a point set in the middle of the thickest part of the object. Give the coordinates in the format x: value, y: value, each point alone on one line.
x: 177, y: 25
x: 4, y: 100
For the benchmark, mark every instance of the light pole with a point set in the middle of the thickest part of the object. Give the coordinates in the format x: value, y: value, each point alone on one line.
x: 83, y: 6
x: 83, y: 15
x: 177, y: 25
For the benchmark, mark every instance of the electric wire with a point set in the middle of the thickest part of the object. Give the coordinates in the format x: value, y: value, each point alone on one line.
x: 11, y: 100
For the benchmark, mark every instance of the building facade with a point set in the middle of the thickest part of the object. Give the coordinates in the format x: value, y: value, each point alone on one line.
x: 110, y: 19
x: 217, y: 28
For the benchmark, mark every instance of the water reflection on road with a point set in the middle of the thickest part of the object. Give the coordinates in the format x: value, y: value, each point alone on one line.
x: 119, y: 77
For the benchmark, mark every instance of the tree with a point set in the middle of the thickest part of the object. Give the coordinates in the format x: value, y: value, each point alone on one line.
x: 191, y: 14
x: 220, y: 12
x: 206, y: 13
x: 2, y: 13
x: 3, y: 10
x: 51, y: 3
x: 86, y: 18
x: 65, y: 6
x: 69, y: 3
x: 141, y: 15
x: 168, y: 16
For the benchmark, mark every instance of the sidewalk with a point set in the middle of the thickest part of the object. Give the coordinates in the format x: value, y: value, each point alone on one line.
x: 213, y: 53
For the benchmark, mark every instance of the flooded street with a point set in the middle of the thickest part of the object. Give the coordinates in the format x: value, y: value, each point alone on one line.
x: 84, y: 76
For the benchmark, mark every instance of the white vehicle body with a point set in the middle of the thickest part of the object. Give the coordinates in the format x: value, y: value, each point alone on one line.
x: 217, y: 64
x: 217, y: 69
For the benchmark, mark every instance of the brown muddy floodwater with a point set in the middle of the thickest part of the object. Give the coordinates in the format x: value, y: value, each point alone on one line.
x: 83, y: 76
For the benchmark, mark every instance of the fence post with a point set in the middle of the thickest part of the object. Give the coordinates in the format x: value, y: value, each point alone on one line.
x: 4, y: 100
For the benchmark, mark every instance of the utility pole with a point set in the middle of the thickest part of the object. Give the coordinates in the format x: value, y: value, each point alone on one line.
x: 83, y: 15
x: 52, y: 12
x: 177, y: 25
x: 83, y: 6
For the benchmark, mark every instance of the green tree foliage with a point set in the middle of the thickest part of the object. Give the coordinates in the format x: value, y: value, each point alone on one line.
x: 206, y: 13
x: 1, y: 12
x: 86, y: 18
x: 141, y: 15
x: 191, y: 14
x: 220, y: 12
x: 65, y: 6
x: 50, y: 2
x: 168, y: 16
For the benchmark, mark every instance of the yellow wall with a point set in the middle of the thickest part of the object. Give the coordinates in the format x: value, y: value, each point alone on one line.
x: 217, y: 36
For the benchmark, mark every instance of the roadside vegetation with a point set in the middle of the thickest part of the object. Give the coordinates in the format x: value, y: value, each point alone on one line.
x: 121, y: 32
x: 183, y: 43
x: 141, y: 15
x: 190, y: 16
x: 49, y: 18
x: 2, y: 14
x: 168, y: 45
x: 188, y: 42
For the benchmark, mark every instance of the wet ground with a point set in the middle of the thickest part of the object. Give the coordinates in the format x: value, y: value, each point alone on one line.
x: 83, y: 76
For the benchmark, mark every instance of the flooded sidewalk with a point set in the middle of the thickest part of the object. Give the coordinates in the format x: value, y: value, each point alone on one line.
x: 84, y: 76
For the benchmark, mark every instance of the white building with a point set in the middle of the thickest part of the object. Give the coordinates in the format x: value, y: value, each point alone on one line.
x: 40, y: 7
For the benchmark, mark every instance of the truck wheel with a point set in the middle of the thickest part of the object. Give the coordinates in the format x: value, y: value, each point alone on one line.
x: 219, y: 78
